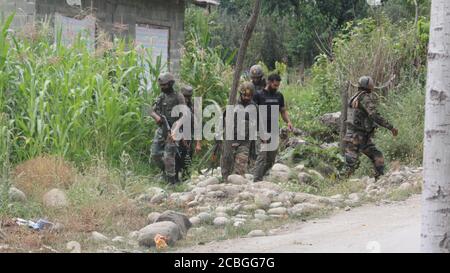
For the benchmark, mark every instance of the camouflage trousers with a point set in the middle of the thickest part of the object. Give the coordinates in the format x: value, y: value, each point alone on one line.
x: 241, y: 153
x: 163, y: 154
x: 357, y: 143
x: 264, y: 162
x: 184, y: 161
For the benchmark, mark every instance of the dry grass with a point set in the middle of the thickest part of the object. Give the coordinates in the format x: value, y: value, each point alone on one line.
x: 38, y: 175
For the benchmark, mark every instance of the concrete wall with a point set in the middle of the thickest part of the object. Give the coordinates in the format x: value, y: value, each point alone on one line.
x: 117, y: 17
x: 25, y: 10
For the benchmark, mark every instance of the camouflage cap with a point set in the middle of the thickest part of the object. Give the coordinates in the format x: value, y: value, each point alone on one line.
x: 247, y: 88
x: 366, y: 83
x: 256, y: 71
x: 166, y: 78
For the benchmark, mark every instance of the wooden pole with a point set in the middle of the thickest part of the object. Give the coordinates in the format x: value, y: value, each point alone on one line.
x: 226, y: 160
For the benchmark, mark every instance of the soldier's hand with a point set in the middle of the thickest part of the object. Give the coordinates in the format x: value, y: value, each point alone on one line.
x: 171, y: 136
x: 394, y: 132
x: 158, y: 119
x: 198, y: 147
x: 290, y: 127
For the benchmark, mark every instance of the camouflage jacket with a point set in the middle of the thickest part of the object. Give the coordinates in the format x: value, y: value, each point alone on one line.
x: 362, y: 114
x: 166, y: 102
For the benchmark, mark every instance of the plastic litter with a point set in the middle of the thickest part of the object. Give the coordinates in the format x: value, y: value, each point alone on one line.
x: 41, y: 224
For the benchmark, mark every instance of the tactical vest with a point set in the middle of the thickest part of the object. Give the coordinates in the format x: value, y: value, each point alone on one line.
x: 165, y: 103
x: 357, y: 118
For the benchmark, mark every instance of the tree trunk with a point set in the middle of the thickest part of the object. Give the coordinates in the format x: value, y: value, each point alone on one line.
x: 344, y: 108
x: 435, y: 235
x: 227, y: 156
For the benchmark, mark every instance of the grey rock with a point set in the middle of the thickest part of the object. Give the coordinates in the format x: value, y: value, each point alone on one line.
x: 276, y: 205
x: 355, y: 197
x: 55, y: 198
x: 267, y: 185
x: 98, y: 237
x: 260, y: 211
x: 152, y: 216
x: 304, y: 209
x: 16, y: 195
x: 158, y: 198
x: 395, y: 179
x: 232, y: 190
x: 279, y: 176
x: 221, y: 221
x: 195, y: 221
x: 118, y: 239
x: 256, y: 233
x: 284, y: 197
x: 249, y: 207
x: 237, y: 179
x: 262, y: 217
x: 304, y: 178
x: 245, y: 196
x: 199, y: 190
x: 167, y: 228
x: 192, y: 204
x: 186, y: 197
x: 204, y: 217
x: 74, y: 247
x: 214, y: 187
x: 331, y: 120
x: 181, y: 220
x: 262, y: 201
x: 216, y: 194
x: 280, y: 168
x: 279, y: 211
x: 209, y: 181
x: 301, y: 197
x: 299, y: 168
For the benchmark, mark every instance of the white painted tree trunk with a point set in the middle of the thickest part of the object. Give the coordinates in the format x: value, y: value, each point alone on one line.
x: 435, y: 235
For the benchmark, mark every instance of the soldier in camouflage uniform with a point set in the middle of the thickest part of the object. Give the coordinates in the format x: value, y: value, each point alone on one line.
x: 187, y: 145
x: 258, y: 80
x: 241, y: 141
x: 362, y: 120
x: 257, y: 76
x: 164, y: 148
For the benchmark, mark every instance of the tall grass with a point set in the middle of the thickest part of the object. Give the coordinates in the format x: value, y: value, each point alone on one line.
x: 72, y: 102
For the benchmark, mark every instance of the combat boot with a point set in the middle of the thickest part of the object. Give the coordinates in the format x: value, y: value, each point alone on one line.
x: 172, y: 180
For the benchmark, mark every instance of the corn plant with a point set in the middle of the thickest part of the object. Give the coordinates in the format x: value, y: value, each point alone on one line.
x: 72, y: 102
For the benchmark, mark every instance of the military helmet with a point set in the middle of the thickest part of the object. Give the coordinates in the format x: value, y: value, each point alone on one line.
x: 247, y: 88
x: 187, y: 90
x: 366, y: 83
x: 256, y: 71
x: 166, y: 78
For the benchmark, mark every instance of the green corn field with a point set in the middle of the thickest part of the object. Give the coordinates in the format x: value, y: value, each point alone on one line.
x: 70, y: 101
